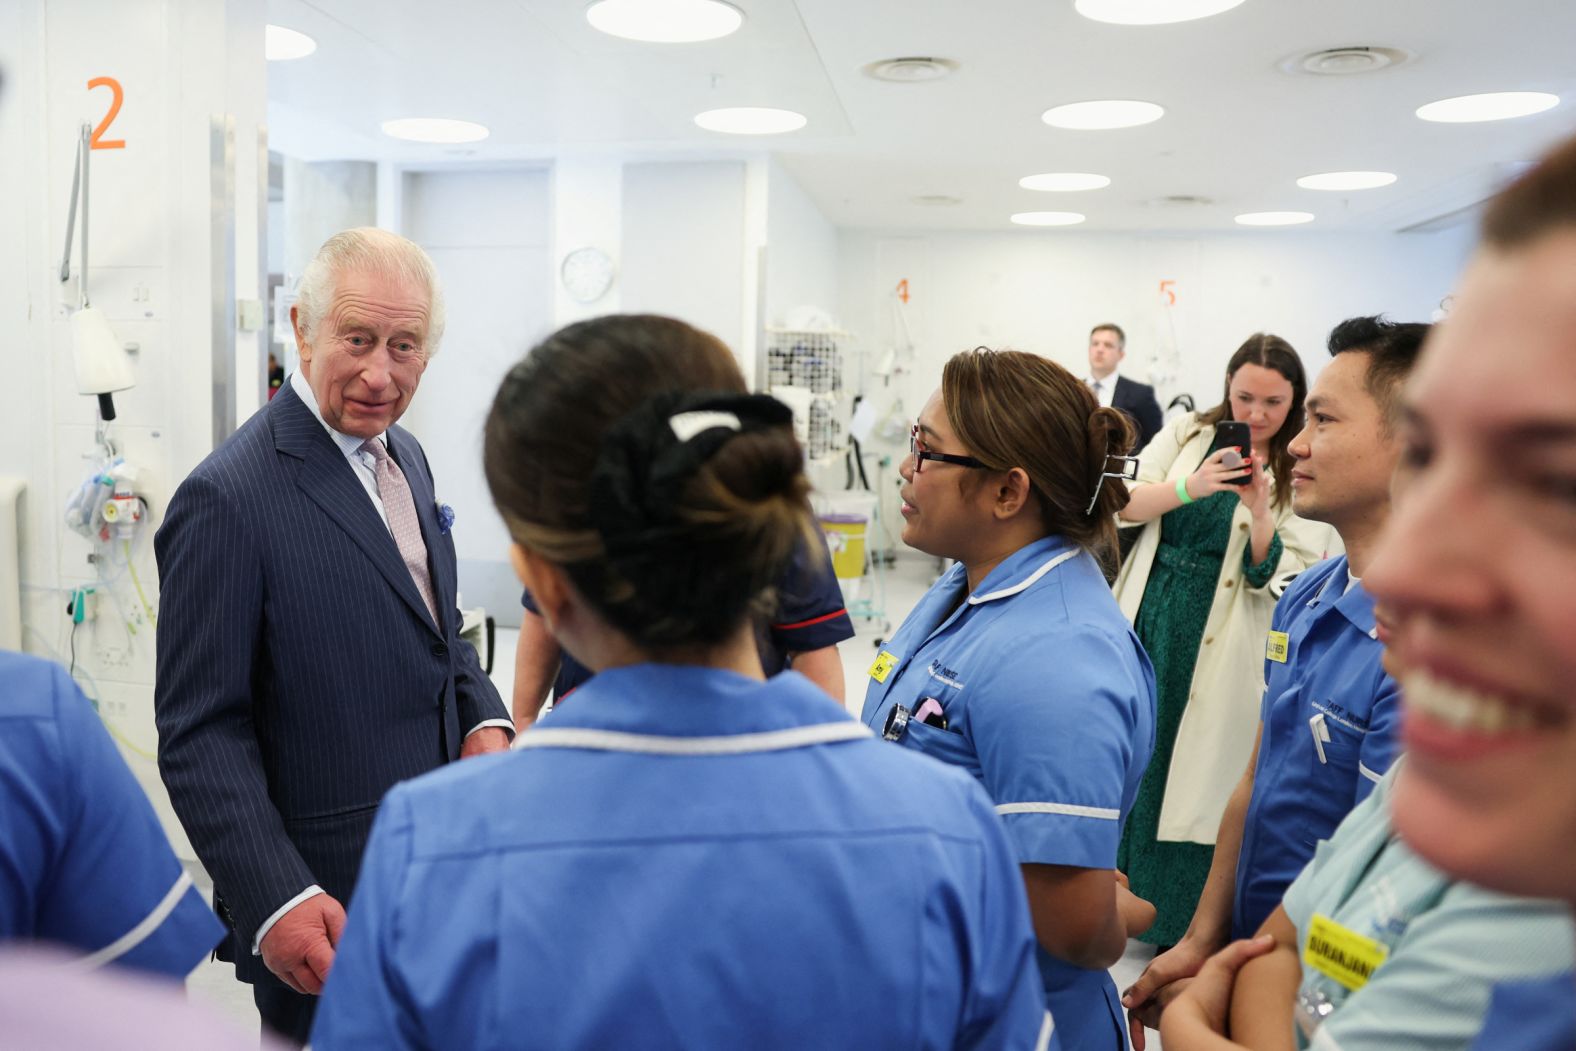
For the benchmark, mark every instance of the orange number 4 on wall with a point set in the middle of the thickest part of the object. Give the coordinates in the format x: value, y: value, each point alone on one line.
x: 98, y: 141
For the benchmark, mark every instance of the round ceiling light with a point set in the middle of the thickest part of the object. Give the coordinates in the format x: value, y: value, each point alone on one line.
x: 1048, y: 218
x: 1064, y: 182
x: 1346, y: 180
x: 1102, y: 115
x: 1151, y: 12
x: 1274, y: 218
x: 665, y: 21
x: 434, y: 129
x: 751, y: 120
x: 915, y: 70
x: 1497, y: 105
x: 282, y: 45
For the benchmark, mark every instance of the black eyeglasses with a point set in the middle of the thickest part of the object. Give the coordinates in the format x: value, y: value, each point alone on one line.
x: 921, y: 454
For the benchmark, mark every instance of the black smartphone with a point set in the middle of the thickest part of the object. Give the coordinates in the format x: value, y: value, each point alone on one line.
x: 1233, y: 434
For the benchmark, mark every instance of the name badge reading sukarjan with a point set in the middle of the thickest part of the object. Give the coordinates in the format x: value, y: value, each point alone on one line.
x: 1340, y: 953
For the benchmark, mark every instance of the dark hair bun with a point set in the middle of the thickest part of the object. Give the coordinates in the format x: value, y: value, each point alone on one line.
x: 1111, y: 436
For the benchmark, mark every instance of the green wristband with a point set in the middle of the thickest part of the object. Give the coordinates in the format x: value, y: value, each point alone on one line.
x: 1182, y: 493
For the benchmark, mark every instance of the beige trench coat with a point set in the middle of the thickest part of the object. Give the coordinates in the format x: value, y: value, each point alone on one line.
x: 1215, y: 738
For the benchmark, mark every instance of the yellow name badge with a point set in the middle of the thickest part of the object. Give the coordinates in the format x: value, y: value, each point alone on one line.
x: 883, y: 667
x: 1276, y: 647
x: 1341, y: 954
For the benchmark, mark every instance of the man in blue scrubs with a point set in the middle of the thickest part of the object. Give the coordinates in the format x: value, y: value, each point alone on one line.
x: 809, y: 621
x: 1330, y: 713
x: 83, y: 861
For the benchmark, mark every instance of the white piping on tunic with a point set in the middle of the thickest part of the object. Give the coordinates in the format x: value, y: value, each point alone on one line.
x: 1046, y: 1028
x: 138, y: 934
x: 975, y: 600
x: 1073, y: 809
x: 657, y: 744
x: 1369, y: 774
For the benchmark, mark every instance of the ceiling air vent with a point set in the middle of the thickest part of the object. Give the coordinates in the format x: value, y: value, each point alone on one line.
x: 1345, y: 61
x: 914, y: 70
x: 937, y: 200
x: 1180, y: 200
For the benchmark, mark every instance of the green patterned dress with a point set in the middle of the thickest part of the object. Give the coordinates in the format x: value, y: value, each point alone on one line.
x: 1170, y: 623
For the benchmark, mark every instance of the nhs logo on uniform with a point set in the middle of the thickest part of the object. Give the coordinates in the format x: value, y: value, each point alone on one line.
x: 945, y: 675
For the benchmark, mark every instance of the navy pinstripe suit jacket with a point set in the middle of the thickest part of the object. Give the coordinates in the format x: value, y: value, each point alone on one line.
x: 299, y: 673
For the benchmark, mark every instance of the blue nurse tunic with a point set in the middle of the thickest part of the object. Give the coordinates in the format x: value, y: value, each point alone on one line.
x: 1330, y: 716
x: 687, y: 858
x: 83, y: 860
x: 1049, y: 701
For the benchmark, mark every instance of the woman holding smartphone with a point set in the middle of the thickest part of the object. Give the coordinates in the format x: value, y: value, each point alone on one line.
x: 1218, y: 530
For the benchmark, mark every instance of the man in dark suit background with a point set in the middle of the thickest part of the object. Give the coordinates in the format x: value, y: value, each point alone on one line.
x: 1107, y: 348
x: 309, y: 650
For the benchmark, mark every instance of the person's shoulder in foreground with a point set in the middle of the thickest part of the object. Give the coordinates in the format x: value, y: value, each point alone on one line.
x: 83, y: 859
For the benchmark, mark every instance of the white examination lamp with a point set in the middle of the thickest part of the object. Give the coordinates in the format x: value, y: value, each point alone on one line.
x: 101, y: 363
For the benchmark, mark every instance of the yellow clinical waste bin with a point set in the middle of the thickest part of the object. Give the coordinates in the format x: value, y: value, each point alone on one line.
x: 845, y: 538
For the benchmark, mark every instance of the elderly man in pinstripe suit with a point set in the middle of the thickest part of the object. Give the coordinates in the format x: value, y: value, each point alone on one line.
x: 309, y: 650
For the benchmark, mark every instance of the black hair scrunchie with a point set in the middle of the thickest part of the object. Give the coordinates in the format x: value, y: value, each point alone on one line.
x: 645, y: 459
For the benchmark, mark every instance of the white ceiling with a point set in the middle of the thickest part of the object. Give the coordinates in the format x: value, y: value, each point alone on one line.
x: 1238, y: 130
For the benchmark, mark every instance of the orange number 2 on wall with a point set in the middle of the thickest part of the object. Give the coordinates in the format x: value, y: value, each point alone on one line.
x: 98, y: 141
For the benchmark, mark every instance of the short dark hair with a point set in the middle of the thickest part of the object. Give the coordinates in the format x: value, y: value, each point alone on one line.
x: 1392, y: 348
x: 1541, y: 201
x: 1121, y: 337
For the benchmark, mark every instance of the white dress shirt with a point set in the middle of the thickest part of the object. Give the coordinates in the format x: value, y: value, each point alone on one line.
x: 1107, y: 389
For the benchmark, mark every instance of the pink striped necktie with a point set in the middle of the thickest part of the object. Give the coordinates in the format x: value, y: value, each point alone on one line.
x: 400, y: 508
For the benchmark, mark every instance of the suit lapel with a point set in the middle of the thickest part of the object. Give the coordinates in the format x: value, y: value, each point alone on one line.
x: 331, y: 483
x: 407, y: 454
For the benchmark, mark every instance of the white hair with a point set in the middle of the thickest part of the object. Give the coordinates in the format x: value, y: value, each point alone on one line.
x: 367, y: 249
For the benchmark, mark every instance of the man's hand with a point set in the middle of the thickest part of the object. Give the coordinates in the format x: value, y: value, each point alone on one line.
x: 1165, y: 977
x: 299, y: 948
x: 1206, y: 1004
x: 487, y: 739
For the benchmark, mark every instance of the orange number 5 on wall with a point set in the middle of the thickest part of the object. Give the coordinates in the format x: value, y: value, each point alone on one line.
x: 1169, y: 293
x: 98, y: 141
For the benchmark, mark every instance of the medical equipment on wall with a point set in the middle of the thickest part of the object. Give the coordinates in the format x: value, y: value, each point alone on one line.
x: 804, y: 369
x: 98, y: 357
x: 107, y: 507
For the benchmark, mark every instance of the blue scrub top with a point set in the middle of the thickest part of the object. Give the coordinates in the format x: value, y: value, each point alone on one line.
x: 1330, y: 687
x: 1050, y: 703
x: 83, y: 860
x: 1531, y: 1016
x: 809, y: 615
x: 687, y: 858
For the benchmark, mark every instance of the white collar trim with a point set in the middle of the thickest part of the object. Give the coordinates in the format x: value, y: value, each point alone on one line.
x: 656, y: 744
x: 975, y: 600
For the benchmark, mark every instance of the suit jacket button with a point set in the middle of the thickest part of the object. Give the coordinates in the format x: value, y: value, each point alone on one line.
x: 440, y: 649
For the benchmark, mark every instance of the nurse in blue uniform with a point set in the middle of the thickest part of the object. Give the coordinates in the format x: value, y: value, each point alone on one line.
x: 84, y: 862
x: 1017, y: 666
x: 687, y: 855
x: 1475, y: 578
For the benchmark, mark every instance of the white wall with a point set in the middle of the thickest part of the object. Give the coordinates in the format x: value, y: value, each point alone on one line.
x: 489, y: 233
x: 801, y: 250
x: 683, y: 246
x: 1042, y: 292
x: 152, y: 268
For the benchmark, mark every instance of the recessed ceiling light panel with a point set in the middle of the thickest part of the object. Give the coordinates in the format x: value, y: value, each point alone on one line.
x: 1498, y: 105
x: 1346, y: 180
x: 1048, y: 218
x: 1275, y: 218
x: 665, y: 21
x: 1102, y: 115
x: 434, y: 129
x: 282, y: 45
x: 1151, y: 12
x: 751, y: 120
x: 1064, y: 182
